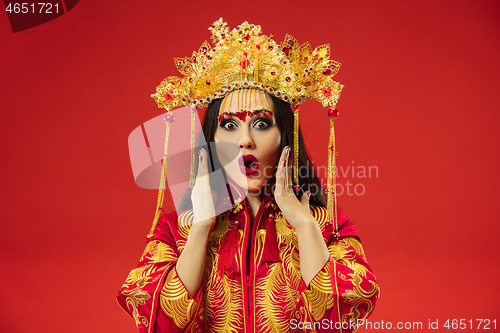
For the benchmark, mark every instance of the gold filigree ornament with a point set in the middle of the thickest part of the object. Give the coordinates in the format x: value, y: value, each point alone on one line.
x: 245, y: 58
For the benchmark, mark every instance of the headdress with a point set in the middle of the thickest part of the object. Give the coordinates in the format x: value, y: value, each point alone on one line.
x: 245, y: 58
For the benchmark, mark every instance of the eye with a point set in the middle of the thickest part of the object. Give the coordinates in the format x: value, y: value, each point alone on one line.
x: 261, y: 123
x: 228, y: 125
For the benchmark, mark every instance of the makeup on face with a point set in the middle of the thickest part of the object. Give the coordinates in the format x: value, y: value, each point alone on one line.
x: 254, y: 130
x: 249, y: 165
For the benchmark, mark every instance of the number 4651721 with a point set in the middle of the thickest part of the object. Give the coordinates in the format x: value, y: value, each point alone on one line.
x: 482, y: 324
x: 34, y: 8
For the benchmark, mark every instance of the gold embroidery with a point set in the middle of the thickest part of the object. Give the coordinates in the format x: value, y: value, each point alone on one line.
x: 223, y: 304
x: 149, y: 272
x: 174, y: 300
x: 135, y: 313
x: 155, y: 252
x: 222, y: 226
x: 274, y: 300
x: 338, y: 250
x: 137, y: 297
x: 319, y: 213
x: 222, y: 297
x: 276, y: 291
x: 345, y: 252
x: 358, y: 296
x: 320, y: 293
x: 185, y: 221
x: 288, y: 248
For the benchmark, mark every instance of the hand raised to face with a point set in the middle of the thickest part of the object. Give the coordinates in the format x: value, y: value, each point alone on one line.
x: 295, y: 212
x: 201, y: 196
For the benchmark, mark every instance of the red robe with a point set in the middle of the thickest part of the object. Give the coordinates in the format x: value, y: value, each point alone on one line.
x: 262, y: 295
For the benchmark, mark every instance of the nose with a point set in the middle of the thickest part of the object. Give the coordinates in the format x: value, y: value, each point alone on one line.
x: 245, y: 139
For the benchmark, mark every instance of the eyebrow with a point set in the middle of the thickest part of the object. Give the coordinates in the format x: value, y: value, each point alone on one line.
x: 254, y: 112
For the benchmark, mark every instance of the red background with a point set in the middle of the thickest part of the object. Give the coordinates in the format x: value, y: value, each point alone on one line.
x: 420, y: 103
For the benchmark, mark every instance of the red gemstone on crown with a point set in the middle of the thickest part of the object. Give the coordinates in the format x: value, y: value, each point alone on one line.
x: 273, y: 73
x: 169, y: 118
x: 169, y: 96
x: 241, y: 115
x: 203, y: 49
x: 257, y: 46
x: 327, y: 91
x: 288, y: 79
x: 333, y: 112
x: 209, y: 57
x: 327, y: 72
x: 244, y: 63
x: 286, y: 50
x: 298, y: 89
x: 207, y: 82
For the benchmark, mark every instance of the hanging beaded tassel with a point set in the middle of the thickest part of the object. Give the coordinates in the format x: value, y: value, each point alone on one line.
x: 193, y: 141
x: 295, y: 170
x: 331, y: 203
x: 169, y: 118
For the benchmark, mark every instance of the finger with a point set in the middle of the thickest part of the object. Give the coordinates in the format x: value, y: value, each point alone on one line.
x: 304, y: 199
x: 289, y: 163
x: 280, y: 172
x: 202, y: 167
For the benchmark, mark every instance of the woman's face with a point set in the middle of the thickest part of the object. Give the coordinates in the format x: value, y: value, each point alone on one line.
x: 257, y: 137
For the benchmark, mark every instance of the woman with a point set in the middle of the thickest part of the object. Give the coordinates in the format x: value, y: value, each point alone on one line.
x: 241, y: 271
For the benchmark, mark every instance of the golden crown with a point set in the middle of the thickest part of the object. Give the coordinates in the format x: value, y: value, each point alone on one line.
x: 244, y: 58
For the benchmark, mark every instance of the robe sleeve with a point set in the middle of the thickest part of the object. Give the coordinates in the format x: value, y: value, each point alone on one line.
x: 153, y: 295
x: 344, y: 290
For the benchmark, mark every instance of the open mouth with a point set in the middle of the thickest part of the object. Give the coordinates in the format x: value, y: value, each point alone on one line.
x: 249, y: 165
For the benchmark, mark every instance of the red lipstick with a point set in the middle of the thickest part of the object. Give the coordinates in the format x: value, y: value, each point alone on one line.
x: 249, y: 165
